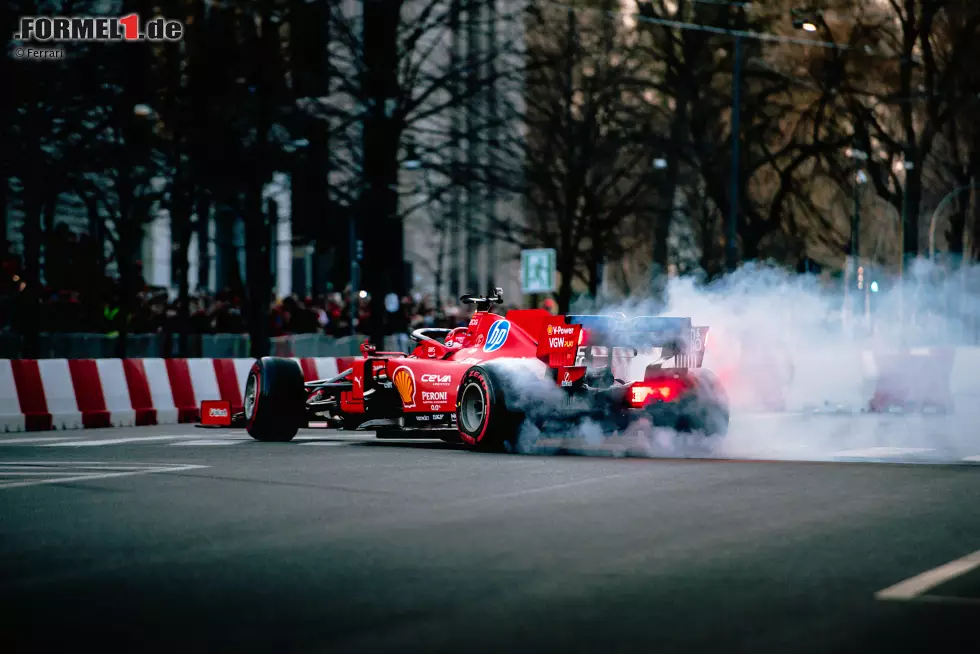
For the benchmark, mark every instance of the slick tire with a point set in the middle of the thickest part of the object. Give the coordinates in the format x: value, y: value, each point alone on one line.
x: 712, y: 421
x: 482, y: 416
x: 705, y: 417
x: 712, y: 413
x: 275, y: 402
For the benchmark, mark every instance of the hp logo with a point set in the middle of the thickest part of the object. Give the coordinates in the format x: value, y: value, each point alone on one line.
x: 497, y: 336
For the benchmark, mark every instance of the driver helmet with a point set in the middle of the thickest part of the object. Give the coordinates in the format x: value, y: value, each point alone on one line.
x: 456, y: 337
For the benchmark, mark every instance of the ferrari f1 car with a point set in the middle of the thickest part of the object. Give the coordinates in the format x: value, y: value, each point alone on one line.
x: 481, y: 383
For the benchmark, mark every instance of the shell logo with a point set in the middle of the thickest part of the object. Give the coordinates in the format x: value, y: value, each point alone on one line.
x: 404, y: 380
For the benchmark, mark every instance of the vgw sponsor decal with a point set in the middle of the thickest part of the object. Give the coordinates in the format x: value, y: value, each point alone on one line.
x: 557, y: 334
x: 497, y: 336
x: 437, y: 396
x: 435, y: 379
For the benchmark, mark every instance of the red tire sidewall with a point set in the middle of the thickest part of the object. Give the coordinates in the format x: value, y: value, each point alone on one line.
x: 478, y: 377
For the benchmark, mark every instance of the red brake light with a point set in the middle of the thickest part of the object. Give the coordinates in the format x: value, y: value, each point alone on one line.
x: 582, y: 338
x: 663, y: 390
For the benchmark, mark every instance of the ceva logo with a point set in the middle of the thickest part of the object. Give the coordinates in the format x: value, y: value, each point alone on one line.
x: 497, y: 336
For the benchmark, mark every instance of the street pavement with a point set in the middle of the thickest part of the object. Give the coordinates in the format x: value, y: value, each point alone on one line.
x: 800, y: 534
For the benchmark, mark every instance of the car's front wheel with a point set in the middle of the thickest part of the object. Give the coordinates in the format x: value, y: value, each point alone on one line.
x: 275, y: 402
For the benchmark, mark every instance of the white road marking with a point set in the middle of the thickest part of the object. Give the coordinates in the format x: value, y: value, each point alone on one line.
x: 877, y: 452
x: 919, y: 584
x: 208, y: 441
x: 37, y: 439
x: 82, y: 465
x: 115, y: 441
x: 335, y: 439
x: 51, y: 468
x: 331, y: 443
x: 97, y: 476
x: 35, y: 473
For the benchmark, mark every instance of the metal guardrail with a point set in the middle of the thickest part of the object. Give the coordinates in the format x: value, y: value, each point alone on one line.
x: 209, y: 346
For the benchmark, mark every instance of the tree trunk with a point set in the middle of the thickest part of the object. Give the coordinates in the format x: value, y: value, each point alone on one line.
x: 382, y: 235
x: 566, y: 258
x: 258, y: 244
x: 96, y: 230
x: 678, y: 136
x: 125, y: 260
x: 180, y: 219
x: 595, y: 261
x: 566, y: 270
x: 912, y: 200
x: 203, y: 243
x: 31, y: 296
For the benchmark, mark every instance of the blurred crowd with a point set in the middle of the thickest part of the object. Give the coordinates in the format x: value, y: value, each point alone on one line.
x: 79, y: 297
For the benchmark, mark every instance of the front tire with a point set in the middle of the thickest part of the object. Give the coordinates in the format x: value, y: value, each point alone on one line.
x: 275, y: 402
x: 482, y: 416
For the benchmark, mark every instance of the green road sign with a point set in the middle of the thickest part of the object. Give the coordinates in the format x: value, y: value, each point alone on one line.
x: 538, y: 271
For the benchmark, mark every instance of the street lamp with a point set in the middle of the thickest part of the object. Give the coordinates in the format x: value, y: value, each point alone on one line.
x: 142, y: 110
x: 906, y: 166
x: 731, y: 230
x: 860, y: 178
x: 804, y: 19
x: 854, y: 269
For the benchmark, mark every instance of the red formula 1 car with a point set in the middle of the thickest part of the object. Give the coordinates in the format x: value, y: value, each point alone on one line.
x: 479, y: 384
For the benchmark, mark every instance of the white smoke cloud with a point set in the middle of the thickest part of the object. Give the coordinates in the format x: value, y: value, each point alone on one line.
x: 800, y: 371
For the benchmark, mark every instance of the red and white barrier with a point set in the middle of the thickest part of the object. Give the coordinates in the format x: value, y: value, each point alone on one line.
x: 914, y: 378
x: 37, y: 395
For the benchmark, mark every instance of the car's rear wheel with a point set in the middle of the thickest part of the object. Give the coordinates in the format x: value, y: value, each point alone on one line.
x: 482, y: 416
x: 275, y: 402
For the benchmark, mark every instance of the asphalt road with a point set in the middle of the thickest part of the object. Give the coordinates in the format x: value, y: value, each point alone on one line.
x: 179, y: 539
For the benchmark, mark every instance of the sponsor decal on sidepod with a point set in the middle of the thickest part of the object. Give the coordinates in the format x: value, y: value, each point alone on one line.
x: 404, y: 380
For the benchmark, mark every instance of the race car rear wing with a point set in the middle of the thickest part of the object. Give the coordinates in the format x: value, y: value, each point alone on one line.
x: 677, y: 339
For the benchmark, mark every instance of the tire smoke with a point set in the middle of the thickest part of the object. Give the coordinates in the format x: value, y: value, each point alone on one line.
x: 801, y: 362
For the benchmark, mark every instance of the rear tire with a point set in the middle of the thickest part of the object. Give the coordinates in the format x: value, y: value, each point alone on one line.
x: 712, y: 414
x: 482, y: 416
x: 275, y: 402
